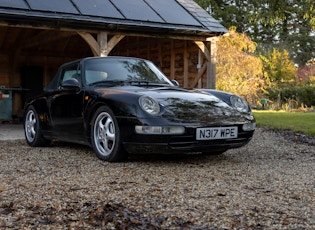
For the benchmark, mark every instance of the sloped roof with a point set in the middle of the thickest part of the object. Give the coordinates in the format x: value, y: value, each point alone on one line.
x: 145, y: 16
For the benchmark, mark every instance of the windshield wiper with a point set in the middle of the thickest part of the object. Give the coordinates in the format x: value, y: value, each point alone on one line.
x: 137, y: 82
x: 108, y: 83
x: 146, y: 83
x: 127, y: 82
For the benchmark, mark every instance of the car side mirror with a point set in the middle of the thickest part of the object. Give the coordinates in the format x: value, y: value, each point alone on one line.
x: 175, y: 83
x: 71, y: 84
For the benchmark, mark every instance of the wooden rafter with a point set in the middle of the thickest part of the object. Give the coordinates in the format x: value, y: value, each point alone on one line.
x: 113, y: 42
x: 90, y: 40
x: 203, y: 69
x: 186, y: 79
x: 199, y: 75
x: 209, y: 67
x: 204, y: 49
x: 101, y: 46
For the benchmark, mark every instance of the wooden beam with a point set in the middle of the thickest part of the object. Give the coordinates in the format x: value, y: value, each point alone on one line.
x: 114, y: 41
x: 172, y: 68
x: 101, y: 47
x: 199, y: 75
x: 211, y: 70
x: 199, y: 65
x: 186, y: 63
x: 147, y: 33
x: 90, y: 40
x: 204, y: 49
x: 211, y: 56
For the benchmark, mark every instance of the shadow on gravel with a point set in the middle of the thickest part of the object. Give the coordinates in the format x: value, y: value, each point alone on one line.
x: 83, y: 150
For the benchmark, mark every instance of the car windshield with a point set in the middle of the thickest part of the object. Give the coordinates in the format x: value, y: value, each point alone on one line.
x: 123, y: 70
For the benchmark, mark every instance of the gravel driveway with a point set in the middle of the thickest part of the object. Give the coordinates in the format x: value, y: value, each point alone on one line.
x: 269, y: 184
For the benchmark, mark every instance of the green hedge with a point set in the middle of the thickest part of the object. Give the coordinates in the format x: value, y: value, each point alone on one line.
x: 303, y: 95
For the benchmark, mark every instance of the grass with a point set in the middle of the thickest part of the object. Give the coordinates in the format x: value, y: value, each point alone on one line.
x: 302, y: 122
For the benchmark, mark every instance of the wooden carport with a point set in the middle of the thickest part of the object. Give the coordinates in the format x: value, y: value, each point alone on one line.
x: 178, y: 35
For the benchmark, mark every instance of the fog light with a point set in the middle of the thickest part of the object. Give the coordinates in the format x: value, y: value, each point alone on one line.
x: 162, y: 130
x: 173, y: 130
x: 249, y: 126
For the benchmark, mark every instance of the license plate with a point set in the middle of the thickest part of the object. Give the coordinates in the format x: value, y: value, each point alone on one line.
x: 216, y: 133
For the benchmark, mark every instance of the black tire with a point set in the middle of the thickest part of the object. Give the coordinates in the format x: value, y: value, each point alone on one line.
x: 32, y: 129
x: 105, y: 136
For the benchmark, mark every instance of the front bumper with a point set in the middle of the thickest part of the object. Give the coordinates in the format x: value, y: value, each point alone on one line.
x: 187, y: 142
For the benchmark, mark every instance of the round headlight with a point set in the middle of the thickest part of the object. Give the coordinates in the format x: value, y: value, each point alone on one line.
x: 239, y: 103
x: 150, y: 105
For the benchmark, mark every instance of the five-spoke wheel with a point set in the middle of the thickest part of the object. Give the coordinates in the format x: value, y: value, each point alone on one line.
x: 106, y: 136
x: 32, y: 129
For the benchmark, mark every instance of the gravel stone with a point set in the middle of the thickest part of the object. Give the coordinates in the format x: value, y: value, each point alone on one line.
x: 268, y: 184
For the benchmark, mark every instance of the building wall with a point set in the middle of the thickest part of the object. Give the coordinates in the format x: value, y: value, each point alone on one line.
x: 4, y: 71
x: 178, y: 59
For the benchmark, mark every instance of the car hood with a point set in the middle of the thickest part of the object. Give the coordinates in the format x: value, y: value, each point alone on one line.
x: 195, y: 107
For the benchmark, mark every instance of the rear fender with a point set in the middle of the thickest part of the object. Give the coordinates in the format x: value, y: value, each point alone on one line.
x: 41, y: 108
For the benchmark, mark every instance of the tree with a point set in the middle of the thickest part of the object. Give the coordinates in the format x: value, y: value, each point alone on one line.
x: 281, y: 24
x: 278, y: 68
x: 306, y: 74
x: 238, y: 69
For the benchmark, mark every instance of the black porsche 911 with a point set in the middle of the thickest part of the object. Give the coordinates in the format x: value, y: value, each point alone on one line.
x: 122, y: 105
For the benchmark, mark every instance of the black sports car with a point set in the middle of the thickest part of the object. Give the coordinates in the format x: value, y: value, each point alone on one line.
x: 121, y: 105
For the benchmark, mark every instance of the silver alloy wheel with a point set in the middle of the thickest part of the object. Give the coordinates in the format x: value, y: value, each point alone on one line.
x: 30, y: 125
x: 104, y: 134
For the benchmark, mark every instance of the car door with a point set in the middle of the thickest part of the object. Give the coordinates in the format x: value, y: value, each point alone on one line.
x: 66, y: 107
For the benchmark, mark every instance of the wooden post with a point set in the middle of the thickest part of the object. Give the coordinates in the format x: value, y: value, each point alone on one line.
x: 185, y: 65
x: 211, y: 66
x: 172, y: 68
x: 202, y: 64
x: 102, y: 41
x: 101, y: 47
x: 199, y: 66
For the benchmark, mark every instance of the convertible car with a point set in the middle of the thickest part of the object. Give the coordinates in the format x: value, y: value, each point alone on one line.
x: 122, y: 105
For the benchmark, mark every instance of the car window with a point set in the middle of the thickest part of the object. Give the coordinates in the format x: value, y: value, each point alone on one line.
x: 70, y: 71
x: 68, y: 74
x: 92, y: 76
x: 122, y: 69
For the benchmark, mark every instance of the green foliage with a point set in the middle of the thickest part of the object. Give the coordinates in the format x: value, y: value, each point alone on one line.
x: 278, y: 67
x: 296, y: 121
x: 282, y: 24
x: 301, y: 96
x: 280, y: 32
x: 238, y: 69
